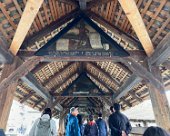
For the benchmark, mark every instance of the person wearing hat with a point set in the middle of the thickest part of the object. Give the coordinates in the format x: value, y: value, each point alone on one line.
x: 118, y: 123
x: 91, y: 128
x: 72, y: 127
x: 44, y: 126
x: 101, y: 125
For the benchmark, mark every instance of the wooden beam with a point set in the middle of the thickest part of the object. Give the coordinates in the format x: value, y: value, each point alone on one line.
x: 134, y: 95
x: 27, y: 97
x: 49, y: 28
x: 83, y: 95
x: 127, y: 86
x: 162, y: 52
x: 159, y: 102
x: 93, y: 56
x: 131, y: 10
x: 116, y: 30
x: 7, y: 94
x: 142, y: 72
x: 5, y: 55
x: 21, y: 71
x: 93, y: 3
x: 32, y: 82
x: 126, y: 102
x: 30, y: 12
x: 38, y: 102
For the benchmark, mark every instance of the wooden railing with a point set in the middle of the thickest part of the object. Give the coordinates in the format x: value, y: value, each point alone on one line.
x: 138, y: 131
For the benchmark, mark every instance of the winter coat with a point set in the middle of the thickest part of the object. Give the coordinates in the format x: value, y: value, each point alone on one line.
x: 45, y: 117
x: 102, y: 127
x: 118, y: 122
x: 91, y: 129
x: 72, y: 128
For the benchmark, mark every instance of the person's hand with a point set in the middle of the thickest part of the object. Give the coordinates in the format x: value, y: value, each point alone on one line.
x: 123, y: 133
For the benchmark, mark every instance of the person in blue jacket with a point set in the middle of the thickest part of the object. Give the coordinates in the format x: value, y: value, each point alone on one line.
x: 72, y: 127
x: 101, y: 125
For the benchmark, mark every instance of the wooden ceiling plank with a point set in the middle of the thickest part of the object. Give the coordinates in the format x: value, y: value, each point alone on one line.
x: 93, y: 3
x: 46, y: 13
x: 132, y: 13
x: 162, y: 4
x: 4, y: 11
x: 27, y: 97
x: 113, y: 11
x: 55, y: 9
x: 160, y: 30
x: 28, y: 16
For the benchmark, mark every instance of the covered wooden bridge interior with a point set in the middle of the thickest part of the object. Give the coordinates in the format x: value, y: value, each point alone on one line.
x: 136, y: 68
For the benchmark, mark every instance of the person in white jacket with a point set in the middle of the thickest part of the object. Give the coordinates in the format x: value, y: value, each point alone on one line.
x: 44, y: 126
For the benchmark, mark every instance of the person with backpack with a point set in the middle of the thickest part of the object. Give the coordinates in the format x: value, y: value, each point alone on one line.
x: 72, y: 126
x: 45, y: 125
x: 91, y: 128
x: 101, y: 125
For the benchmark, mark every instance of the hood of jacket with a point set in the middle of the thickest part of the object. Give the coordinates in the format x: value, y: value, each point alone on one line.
x: 45, y: 117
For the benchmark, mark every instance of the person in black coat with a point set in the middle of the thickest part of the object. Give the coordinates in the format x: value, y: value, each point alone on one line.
x: 101, y: 126
x: 91, y: 128
x: 155, y: 131
x: 118, y: 123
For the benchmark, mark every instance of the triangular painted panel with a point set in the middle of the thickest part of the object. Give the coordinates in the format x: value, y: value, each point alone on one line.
x: 82, y: 86
x: 81, y: 37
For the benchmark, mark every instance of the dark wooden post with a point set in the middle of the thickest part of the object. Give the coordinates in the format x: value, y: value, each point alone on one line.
x: 159, y: 102
x: 6, y: 96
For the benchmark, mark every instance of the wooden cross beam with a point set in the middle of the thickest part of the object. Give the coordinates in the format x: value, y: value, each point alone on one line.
x: 30, y: 12
x: 84, y: 96
x: 131, y: 10
x: 32, y: 82
x: 127, y: 86
x: 21, y: 71
x: 162, y: 52
x: 142, y: 72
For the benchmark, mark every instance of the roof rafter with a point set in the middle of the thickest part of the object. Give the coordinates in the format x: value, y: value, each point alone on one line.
x: 28, y: 16
x: 131, y: 10
x: 127, y: 86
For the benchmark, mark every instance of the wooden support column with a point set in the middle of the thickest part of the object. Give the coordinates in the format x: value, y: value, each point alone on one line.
x: 7, y: 95
x: 159, y: 102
